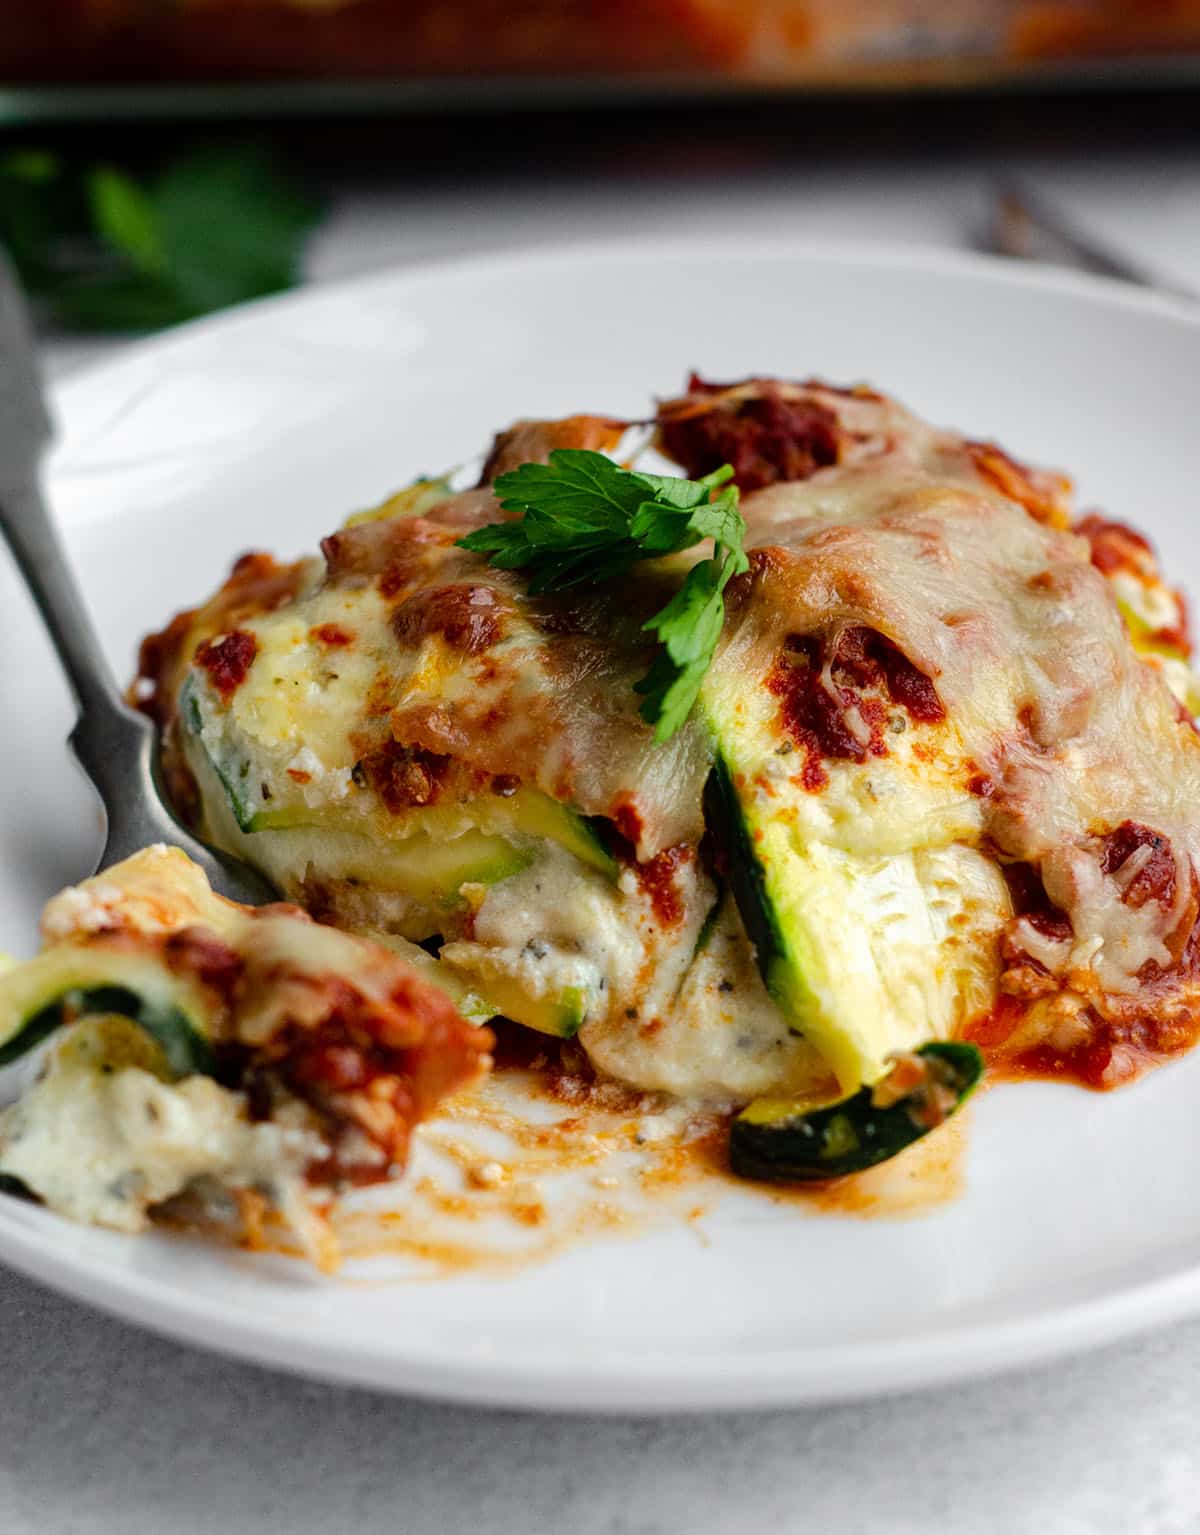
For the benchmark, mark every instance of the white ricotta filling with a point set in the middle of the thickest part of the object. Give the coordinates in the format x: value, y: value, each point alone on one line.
x: 103, y: 1142
x: 662, y: 1016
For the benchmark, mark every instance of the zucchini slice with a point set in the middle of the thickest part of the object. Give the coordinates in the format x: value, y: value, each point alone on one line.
x: 67, y: 983
x: 429, y: 868
x: 534, y: 814
x: 774, y: 1140
x: 864, y: 955
x: 562, y: 1015
x: 413, y: 501
x: 491, y: 976
x: 526, y: 816
x: 485, y: 839
x: 474, y: 1007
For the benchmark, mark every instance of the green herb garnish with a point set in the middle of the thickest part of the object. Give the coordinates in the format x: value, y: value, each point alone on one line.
x: 101, y: 249
x: 585, y: 520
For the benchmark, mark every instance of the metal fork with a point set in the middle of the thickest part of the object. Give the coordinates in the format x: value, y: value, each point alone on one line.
x: 1025, y: 224
x: 114, y: 744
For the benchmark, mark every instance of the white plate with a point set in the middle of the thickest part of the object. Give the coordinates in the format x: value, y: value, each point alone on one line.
x: 1081, y: 1220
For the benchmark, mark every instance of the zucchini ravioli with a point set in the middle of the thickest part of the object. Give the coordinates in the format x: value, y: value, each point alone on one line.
x: 211, y: 1053
x: 941, y: 781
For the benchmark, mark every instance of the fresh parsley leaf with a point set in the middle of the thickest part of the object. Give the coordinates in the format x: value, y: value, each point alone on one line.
x: 690, y: 624
x: 38, y: 201
x: 668, y: 693
x: 689, y: 628
x: 102, y: 249
x: 232, y: 226
x: 506, y: 542
x: 117, y: 302
x: 581, y: 519
x: 32, y: 165
x: 577, y: 491
x: 670, y: 490
x: 125, y: 217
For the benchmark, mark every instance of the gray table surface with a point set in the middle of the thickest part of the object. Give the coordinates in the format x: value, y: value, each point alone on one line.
x: 104, y: 1429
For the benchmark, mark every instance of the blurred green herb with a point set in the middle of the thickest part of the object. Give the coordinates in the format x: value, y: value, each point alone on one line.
x: 103, y: 250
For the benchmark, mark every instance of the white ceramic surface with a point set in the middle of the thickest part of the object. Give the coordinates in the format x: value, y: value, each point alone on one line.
x: 261, y: 429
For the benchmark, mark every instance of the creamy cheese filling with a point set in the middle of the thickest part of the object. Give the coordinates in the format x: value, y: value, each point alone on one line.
x: 718, y: 1036
x: 676, y: 1008
x: 556, y: 924
x: 102, y: 1138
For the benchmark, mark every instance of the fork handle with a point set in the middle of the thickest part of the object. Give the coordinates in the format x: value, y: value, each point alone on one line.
x: 24, y: 520
x: 112, y: 742
x: 39, y: 554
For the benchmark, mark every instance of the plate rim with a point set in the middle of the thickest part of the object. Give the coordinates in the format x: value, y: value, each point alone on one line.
x: 917, y: 256
x: 616, y: 1382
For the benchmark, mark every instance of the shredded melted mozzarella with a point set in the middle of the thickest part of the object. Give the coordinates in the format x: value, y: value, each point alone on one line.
x: 548, y: 699
x: 1024, y: 642
x: 960, y: 557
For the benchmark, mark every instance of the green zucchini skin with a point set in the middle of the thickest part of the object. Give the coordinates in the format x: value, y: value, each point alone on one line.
x: 709, y: 926
x: 189, y: 708
x: 848, y: 1136
x: 723, y: 814
x: 186, y: 1050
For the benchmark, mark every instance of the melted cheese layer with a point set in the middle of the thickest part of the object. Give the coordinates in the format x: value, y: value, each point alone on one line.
x: 1046, y: 698
x: 1056, y: 734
